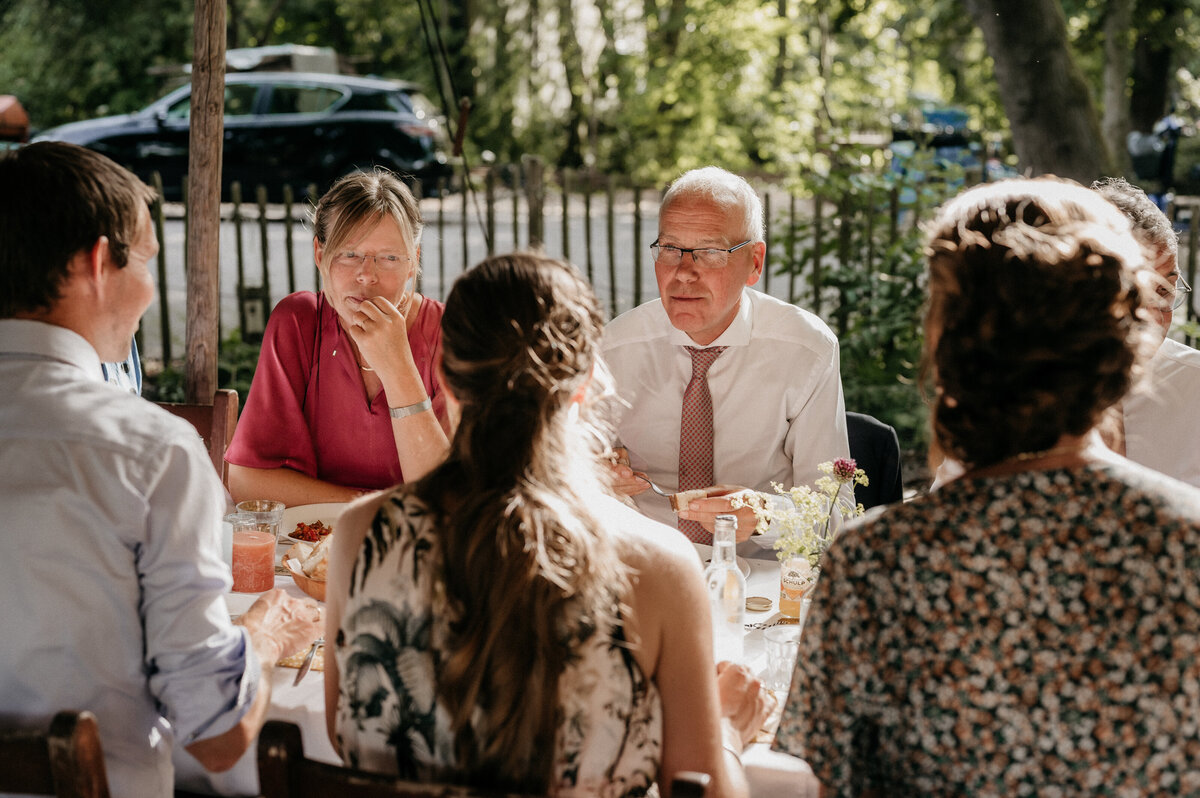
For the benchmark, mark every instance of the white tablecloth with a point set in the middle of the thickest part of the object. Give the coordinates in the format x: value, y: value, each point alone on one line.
x: 769, y: 773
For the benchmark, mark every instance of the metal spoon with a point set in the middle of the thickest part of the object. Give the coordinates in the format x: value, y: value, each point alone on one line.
x: 308, y: 658
x: 653, y: 487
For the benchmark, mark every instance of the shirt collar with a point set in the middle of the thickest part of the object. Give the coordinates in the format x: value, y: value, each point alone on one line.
x: 50, y: 342
x: 736, y: 334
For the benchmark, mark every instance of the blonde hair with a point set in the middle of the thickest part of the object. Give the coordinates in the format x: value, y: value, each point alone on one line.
x: 362, y: 199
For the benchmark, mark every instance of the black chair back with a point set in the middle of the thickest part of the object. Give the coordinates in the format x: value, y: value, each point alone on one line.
x: 876, y: 448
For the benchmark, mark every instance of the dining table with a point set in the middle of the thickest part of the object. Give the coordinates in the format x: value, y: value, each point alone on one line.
x: 770, y: 774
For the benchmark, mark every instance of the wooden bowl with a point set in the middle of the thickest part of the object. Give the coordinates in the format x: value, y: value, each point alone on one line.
x: 313, y: 587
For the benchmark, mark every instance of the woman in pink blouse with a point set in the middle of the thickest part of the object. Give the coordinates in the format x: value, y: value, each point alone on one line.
x: 345, y: 398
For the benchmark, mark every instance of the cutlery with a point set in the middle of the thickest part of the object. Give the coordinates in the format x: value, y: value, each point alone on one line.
x: 653, y: 487
x: 304, y: 666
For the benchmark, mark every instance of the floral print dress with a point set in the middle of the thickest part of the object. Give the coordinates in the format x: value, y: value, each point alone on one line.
x: 1032, y: 634
x: 389, y: 649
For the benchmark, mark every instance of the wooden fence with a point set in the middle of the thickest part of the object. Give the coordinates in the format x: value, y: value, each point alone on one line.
x: 601, y: 223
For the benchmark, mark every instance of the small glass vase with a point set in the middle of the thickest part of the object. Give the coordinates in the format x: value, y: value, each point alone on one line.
x: 797, y: 578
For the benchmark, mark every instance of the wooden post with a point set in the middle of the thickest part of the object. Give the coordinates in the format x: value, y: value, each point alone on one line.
x: 792, y: 236
x: 637, y: 246
x: 818, y: 244
x: 287, y: 237
x: 766, y: 272
x: 466, y: 255
x: 164, y: 318
x: 610, y: 234
x: 566, y: 215
x: 535, y: 192
x: 1193, y: 246
x: 264, y: 238
x: 235, y: 191
x: 489, y: 189
x: 205, y: 140
x: 516, y: 209
x: 418, y: 191
x: 587, y: 228
x: 441, y: 237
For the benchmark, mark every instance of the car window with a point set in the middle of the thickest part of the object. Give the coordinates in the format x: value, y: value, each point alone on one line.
x: 239, y: 101
x: 302, y: 99
x: 368, y: 101
x: 400, y: 101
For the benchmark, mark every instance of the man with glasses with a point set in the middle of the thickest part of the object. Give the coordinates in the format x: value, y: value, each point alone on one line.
x: 1160, y: 430
x: 727, y: 388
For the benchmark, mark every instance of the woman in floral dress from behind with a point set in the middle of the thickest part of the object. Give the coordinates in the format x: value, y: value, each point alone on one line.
x: 1029, y: 628
x: 505, y: 621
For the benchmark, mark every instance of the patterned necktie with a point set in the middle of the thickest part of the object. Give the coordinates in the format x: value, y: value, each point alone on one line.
x: 696, y: 436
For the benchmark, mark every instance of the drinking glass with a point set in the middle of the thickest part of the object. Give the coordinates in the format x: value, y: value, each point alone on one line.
x: 253, y: 561
x: 267, y: 513
x: 234, y: 522
x: 782, y: 643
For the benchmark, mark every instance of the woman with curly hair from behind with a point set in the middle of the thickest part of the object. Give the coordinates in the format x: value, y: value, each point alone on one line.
x: 1030, y: 628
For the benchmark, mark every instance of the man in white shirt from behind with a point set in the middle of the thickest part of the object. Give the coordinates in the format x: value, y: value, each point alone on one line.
x: 776, y: 389
x: 1160, y: 413
x: 112, y: 567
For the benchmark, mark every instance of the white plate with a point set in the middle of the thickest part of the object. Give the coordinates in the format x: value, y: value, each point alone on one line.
x: 705, y: 554
x: 308, y: 514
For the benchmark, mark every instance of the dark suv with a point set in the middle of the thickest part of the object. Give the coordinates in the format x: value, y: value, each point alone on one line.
x: 280, y: 128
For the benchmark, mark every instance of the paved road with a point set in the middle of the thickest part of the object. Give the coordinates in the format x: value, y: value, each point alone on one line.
x: 442, y: 256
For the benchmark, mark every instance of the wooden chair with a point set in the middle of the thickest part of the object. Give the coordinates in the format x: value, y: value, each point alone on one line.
x: 215, y: 423
x: 66, y: 761
x: 284, y: 772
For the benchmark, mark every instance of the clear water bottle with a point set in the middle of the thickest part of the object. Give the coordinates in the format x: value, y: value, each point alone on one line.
x: 726, y: 592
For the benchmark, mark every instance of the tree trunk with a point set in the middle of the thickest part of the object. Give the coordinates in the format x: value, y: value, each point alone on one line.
x: 1054, y: 123
x: 781, y: 58
x: 1153, y: 73
x: 672, y: 27
x: 1118, y: 59
x: 572, y: 63
x: 233, y: 30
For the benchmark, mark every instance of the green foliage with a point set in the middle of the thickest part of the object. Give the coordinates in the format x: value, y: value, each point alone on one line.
x: 236, y: 361
x: 871, y: 284
x: 75, y: 59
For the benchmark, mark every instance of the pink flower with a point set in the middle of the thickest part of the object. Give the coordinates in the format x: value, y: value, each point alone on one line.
x: 844, y: 468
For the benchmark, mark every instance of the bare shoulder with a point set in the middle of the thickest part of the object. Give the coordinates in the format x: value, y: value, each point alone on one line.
x: 356, y: 517
x: 351, y: 529
x: 645, y: 545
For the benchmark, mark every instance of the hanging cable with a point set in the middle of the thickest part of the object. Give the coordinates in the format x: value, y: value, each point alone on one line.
x: 440, y: 61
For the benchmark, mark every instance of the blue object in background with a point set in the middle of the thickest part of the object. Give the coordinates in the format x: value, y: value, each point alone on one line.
x: 126, y: 374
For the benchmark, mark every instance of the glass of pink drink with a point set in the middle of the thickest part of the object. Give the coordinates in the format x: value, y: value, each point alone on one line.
x: 253, y: 561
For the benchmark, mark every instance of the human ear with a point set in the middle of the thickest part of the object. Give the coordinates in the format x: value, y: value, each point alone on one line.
x: 759, y: 253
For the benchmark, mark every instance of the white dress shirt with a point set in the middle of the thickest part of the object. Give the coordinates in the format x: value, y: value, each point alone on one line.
x: 112, y: 571
x: 1161, y: 429
x: 778, y: 409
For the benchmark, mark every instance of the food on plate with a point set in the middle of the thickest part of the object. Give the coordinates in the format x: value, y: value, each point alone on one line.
x: 316, y: 562
x: 312, y: 558
x: 311, y: 532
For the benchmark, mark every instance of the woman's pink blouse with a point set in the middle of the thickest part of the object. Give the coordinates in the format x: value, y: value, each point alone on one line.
x: 307, y: 409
